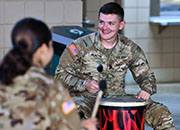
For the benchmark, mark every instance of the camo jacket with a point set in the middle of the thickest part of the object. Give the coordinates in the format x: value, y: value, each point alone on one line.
x: 80, y: 60
x: 36, y: 101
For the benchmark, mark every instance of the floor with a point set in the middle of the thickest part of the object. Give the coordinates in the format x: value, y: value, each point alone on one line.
x: 169, y: 95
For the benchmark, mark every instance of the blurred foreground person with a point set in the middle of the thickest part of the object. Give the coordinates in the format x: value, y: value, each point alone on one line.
x: 30, y: 99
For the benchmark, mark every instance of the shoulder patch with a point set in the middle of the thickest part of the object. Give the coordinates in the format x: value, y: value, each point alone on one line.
x: 73, y: 49
x: 68, y: 106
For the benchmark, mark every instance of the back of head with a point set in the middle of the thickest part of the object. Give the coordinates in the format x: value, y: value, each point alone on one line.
x: 27, y: 36
x: 32, y: 32
x: 112, y: 8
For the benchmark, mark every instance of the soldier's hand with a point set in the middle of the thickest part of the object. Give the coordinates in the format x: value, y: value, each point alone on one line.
x: 143, y: 95
x: 89, y: 124
x: 92, y: 86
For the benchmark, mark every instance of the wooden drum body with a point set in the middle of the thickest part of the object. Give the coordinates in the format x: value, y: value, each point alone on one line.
x: 125, y: 113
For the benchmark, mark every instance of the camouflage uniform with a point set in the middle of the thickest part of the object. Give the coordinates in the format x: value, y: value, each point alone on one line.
x: 36, y: 102
x: 79, y: 63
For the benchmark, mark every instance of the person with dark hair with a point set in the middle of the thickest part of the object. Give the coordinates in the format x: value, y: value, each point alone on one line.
x: 116, y: 53
x: 29, y: 98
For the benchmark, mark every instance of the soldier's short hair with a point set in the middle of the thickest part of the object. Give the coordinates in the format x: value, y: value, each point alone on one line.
x: 112, y: 8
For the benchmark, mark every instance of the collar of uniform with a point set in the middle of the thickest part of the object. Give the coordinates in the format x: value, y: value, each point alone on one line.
x: 99, y: 46
x: 119, y: 43
x: 97, y: 42
x: 33, y: 68
x: 36, y: 68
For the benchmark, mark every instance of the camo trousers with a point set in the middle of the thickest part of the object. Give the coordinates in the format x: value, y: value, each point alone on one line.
x: 157, y: 115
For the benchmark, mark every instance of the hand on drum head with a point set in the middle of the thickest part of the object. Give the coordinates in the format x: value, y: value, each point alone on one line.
x: 92, y: 86
x: 143, y: 95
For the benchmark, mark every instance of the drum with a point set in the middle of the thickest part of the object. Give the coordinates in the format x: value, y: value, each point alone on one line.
x: 125, y: 113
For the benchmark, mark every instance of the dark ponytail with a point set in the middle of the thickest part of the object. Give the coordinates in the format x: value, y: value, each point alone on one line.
x: 16, y: 62
x: 27, y: 36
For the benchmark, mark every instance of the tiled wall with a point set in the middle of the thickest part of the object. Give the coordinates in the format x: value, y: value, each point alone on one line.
x: 162, y: 49
x: 53, y: 12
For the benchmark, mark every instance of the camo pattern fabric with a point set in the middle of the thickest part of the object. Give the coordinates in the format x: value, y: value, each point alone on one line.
x: 36, y: 101
x: 158, y: 117
x: 76, y: 67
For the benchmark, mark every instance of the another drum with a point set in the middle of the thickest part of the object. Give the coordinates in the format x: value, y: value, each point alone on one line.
x: 125, y: 113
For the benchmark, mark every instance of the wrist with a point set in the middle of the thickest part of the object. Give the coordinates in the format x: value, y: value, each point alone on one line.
x: 86, y: 82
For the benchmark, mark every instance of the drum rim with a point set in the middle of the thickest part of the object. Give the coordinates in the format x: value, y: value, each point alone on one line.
x: 124, y: 104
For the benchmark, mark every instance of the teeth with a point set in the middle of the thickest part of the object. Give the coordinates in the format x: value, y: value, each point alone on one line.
x: 106, y: 32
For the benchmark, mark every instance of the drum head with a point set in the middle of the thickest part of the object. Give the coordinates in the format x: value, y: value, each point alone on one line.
x: 123, y: 102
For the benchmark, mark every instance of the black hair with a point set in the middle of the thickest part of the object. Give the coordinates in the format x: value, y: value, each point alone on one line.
x: 27, y: 36
x: 112, y: 8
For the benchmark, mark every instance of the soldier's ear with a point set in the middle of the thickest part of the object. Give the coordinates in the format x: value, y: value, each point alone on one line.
x: 43, y: 49
x: 122, y: 24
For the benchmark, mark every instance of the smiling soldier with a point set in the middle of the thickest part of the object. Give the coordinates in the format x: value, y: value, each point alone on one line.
x: 116, y: 53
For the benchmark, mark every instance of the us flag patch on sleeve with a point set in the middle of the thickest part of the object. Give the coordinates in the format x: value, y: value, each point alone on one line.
x: 68, y: 106
x: 73, y: 49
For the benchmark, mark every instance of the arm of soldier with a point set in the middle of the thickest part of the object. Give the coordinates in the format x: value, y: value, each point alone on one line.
x: 71, y: 81
x: 66, y: 72
x: 142, y: 72
x: 64, y: 114
x: 78, y: 84
x: 62, y: 110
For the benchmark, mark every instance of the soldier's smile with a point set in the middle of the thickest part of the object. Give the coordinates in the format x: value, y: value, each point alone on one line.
x: 108, y: 26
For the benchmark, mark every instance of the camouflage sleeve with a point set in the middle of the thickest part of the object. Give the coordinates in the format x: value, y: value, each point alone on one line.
x: 38, y: 106
x: 62, y: 110
x: 68, y: 72
x: 141, y: 70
